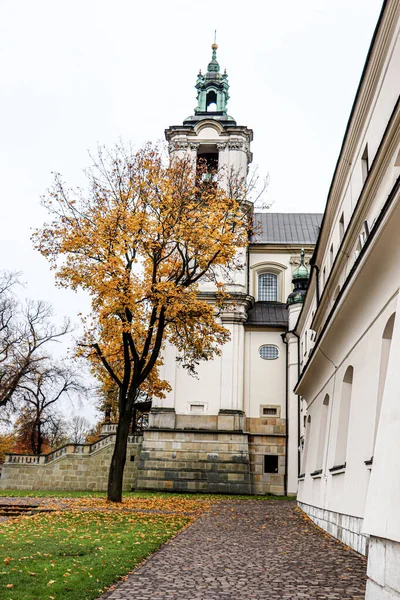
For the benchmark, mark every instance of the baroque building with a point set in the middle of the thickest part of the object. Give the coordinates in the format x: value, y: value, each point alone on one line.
x: 234, y: 428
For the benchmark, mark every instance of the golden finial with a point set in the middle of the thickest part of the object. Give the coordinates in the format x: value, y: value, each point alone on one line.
x: 215, y: 45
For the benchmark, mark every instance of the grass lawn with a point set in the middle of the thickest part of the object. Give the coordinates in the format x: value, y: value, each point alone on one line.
x: 75, y: 555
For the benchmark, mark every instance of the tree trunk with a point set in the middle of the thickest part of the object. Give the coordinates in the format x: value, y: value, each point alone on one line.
x: 39, y: 437
x: 119, y: 457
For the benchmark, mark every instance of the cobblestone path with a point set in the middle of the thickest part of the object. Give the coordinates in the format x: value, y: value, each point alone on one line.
x: 242, y: 550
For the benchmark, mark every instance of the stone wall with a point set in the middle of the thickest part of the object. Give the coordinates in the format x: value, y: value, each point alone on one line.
x: 345, y: 528
x: 69, y: 470
x: 221, y: 453
x: 383, y: 570
x: 195, y: 461
x: 266, y: 436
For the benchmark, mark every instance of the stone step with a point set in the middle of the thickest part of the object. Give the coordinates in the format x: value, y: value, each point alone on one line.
x: 195, y: 465
x: 194, y: 456
x: 17, y: 510
x: 188, y: 475
x: 194, y: 486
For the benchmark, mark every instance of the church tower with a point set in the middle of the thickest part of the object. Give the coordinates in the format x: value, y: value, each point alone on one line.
x: 211, y: 134
x: 197, y: 432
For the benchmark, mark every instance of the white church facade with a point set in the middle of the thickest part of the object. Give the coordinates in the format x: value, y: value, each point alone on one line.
x: 227, y: 430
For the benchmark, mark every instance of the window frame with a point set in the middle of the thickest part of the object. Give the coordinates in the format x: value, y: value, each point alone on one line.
x: 259, y: 279
x: 273, y: 268
x: 268, y: 457
x: 271, y: 346
x: 270, y: 406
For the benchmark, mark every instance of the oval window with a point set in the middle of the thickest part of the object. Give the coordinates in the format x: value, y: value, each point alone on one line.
x: 269, y: 352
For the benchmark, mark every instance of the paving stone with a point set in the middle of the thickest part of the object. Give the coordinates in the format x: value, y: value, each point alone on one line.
x: 242, y: 550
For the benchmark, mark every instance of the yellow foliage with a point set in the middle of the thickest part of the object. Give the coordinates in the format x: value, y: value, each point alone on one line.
x: 7, y: 443
x: 139, y: 242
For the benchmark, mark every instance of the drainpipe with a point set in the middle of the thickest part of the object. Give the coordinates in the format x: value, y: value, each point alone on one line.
x: 283, y: 336
x: 298, y: 402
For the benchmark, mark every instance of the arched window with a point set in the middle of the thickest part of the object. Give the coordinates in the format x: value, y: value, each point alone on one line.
x: 385, y: 352
x: 323, y: 422
x: 267, y: 287
x: 211, y: 101
x: 344, y: 416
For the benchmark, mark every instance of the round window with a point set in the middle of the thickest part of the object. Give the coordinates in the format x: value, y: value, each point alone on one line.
x: 269, y: 352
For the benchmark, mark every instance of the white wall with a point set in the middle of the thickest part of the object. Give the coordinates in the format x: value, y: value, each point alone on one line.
x: 264, y: 379
x: 355, y: 338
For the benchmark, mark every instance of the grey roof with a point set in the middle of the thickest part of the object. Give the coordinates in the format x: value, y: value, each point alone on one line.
x: 273, y: 314
x: 286, y: 228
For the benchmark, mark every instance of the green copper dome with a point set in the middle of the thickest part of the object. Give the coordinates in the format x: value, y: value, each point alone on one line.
x: 212, y: 90
x: 300, y: 278
x: 302, y: 272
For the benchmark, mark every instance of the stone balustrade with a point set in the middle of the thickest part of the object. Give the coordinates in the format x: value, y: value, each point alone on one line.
x: 32, y: 459
x: 25, y: 459
x: 74, y: 467
x: 109, y: 439
x: 108, y: 428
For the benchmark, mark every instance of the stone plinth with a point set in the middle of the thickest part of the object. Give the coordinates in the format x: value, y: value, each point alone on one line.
x: 194, y: 461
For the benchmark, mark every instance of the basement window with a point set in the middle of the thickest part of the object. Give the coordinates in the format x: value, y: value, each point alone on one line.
x: 197, y: 408
x: 270, y: 463
x: 270, y: 411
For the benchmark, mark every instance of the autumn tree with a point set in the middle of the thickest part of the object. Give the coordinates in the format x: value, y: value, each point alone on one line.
x: 7, y: 444
x: 94, y: 433
x: 25, y: 334
x: 139, y: 240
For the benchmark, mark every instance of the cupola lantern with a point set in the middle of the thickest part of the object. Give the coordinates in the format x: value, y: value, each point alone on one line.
x: 212, y: 89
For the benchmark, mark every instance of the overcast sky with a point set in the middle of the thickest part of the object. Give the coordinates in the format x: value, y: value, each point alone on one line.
x: 83, y: 72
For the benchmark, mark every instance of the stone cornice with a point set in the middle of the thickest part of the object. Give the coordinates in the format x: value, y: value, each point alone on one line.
x: 221, y: 130
x: 255, y: 248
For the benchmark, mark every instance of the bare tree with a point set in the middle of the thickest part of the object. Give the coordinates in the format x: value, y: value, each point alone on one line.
x: 250, y: 191
x: 38, y: 395
x: 56, y: 431
x: 25, y: 333
x: 78, y: 429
